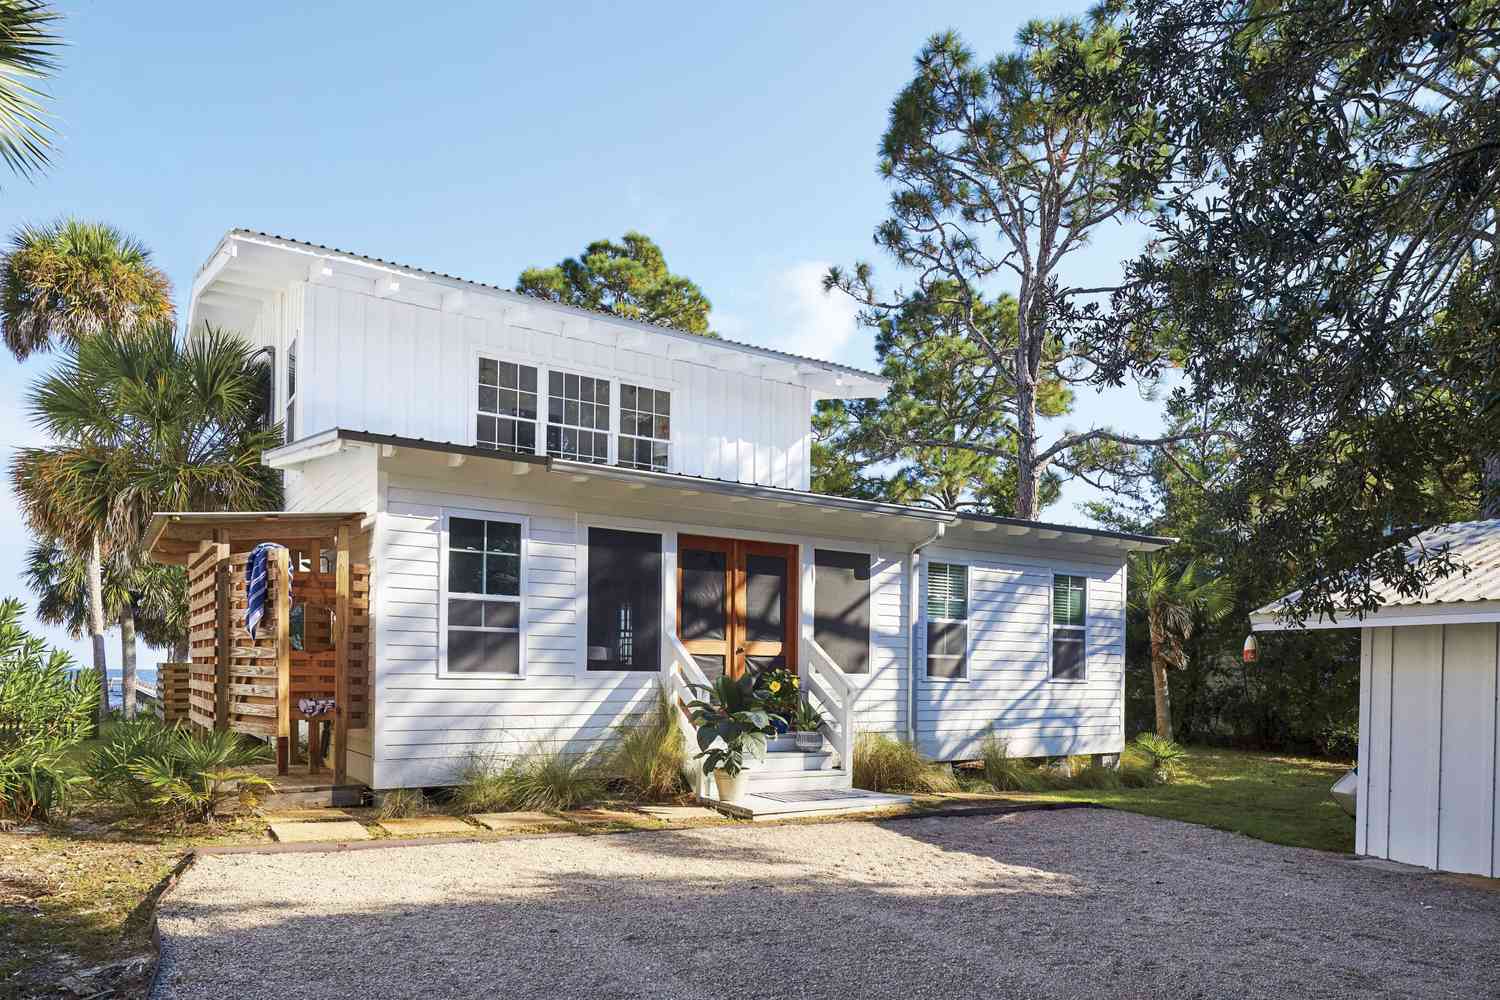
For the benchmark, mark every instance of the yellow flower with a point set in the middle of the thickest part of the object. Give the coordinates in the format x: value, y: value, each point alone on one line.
x: 795, y: 682
x: 775, y: 686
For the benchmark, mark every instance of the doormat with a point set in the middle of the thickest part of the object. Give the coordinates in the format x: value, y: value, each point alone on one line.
x: 815, y: 795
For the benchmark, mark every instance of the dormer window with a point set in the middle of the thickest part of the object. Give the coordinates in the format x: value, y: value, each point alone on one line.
x: 578, y: 417
x: 645, y: 427
x: 507, y: 407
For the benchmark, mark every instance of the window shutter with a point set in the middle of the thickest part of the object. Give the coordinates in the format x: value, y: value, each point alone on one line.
x: 1067, y: 600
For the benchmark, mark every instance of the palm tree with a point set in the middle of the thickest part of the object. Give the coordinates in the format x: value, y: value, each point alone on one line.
x: 27, y: 43
x: 1174, y: 606
x: 149, y: 422
x: 72, y: 279
x: 146, y: 599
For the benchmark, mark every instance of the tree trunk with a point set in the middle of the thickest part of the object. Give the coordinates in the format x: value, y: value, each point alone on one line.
x: 1163, y: 697
x: 96, y: 621
x: 127, y: 657
x: 1028, y: 475
x: 180, y: 652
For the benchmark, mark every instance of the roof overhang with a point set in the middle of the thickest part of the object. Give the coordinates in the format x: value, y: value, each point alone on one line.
x: 248, y: 269
x: 767, y: 502
x: 173, y: 536
x: 1389, y: 616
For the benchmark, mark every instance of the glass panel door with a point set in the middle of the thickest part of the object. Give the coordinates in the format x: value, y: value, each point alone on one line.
x: 737, y: 604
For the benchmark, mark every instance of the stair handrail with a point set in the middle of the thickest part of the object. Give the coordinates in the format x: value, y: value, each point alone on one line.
x: 683, y: 674
x: 823, y: 672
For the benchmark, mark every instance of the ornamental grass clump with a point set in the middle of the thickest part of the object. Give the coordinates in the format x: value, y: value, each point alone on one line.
x: 885, y: 764
x: 542, y: 777
x: 647, y: 761
x: 1005, y: 773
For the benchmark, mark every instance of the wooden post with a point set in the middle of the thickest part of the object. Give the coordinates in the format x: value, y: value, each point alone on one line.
x: 341, y: 660
x: 223, y: 627
x: 282, y: 597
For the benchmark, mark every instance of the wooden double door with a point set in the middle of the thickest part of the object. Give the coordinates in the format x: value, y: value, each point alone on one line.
x: 737, y: 604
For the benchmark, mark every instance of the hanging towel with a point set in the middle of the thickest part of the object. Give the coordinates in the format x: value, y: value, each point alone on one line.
x: 257, y: 580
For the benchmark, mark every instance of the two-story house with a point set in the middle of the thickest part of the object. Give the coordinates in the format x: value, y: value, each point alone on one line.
x: 565, y: 508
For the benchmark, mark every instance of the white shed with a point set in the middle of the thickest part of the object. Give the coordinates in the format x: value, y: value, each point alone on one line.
x: 1428, y: 740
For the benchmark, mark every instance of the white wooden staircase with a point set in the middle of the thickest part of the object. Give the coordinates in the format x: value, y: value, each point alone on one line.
x: 788, y: 782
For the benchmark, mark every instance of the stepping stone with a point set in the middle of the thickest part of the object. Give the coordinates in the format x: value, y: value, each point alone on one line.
x: 516, y: 822
x: 425, y: 825
x: 306, y: 815
x: 307, y: 833
x: 590, y: 817
x: 680, y: 814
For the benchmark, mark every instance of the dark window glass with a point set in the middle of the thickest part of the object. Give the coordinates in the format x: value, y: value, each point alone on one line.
x: 704, y: 611
x: 946, y: 642
x: 507, y: 407
x: 624, y: 588
x: 765, y: 598
x: 645, y: 427
x: 1069, y: 628
x: 1067, y: 656
x: 841, y: 608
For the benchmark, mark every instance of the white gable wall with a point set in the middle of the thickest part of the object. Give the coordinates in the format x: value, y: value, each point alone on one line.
x: 390, y: 367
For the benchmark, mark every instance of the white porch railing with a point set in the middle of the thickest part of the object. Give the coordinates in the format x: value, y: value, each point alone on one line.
x: 682, y: 672
x: 836, y: 695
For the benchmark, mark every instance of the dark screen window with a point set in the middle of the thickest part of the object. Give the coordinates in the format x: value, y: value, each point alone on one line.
x: 841, y: 608
x: 624, y: 627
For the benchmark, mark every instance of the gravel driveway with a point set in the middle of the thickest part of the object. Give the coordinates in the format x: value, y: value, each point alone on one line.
x: 1077, y: 903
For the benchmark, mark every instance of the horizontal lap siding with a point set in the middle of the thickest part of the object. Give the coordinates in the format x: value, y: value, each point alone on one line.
x: 1008, y: 689
x: 881, y: 707
x: 397, y: 368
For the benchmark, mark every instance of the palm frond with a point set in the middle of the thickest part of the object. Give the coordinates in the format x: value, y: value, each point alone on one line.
x: 28, y: 45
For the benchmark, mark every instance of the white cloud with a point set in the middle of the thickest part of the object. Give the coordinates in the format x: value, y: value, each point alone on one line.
x: 804, y: 319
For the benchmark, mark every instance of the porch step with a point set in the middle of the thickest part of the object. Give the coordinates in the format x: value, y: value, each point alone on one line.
x: 793, y: 780
x: 835, y: 803
x: 792, y: 760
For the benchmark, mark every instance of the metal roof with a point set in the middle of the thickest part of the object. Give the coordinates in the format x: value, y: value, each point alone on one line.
x: 1473, y: 545
x: 533, y: 300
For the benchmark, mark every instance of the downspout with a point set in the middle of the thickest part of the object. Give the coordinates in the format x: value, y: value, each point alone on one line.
x: 913, y: 606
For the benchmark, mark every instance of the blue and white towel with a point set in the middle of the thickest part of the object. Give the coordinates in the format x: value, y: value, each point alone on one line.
x: 257, y: 579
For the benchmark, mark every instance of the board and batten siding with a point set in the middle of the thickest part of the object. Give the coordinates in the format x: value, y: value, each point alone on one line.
x: 1428, y: 746
x: 1008, y: 689
x: 373, y: 364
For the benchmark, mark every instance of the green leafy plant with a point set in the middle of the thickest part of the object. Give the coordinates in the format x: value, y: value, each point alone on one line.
x: 543, y: 777
x: 122, y: 748
x: 1005, y: 773
x: 647, y: 760
x: 1339, y: 740
x: 196, y: 774
x: 46, y: 710
x: 778, y: 690
x: 806, y: 718
x: 1164, y: 756
x: 731, y: 722
x: 885, y: 764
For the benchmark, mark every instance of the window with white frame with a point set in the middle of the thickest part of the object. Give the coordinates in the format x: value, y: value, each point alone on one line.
x: 645, y: 427
x: 578, y: 417
x: 1069, y: 628
x: 947, y: 620
x: 507, y: 415
x: 483, y: 598
x: 289, y: 421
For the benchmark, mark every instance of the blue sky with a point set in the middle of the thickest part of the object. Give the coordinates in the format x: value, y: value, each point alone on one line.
x: 482, y: 138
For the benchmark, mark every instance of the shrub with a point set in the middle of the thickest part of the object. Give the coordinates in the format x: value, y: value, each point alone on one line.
x: 1339, y: 740
x: 399, y: 803
x: 647, y: 760
x: 1097, y: 776
x: 46, y: 710
x: 1163, y: 754
x: 1005, y: 773
x: 545, y: 778
x: 885, y: 764
x: 111, y: 767
x: 195, y: 774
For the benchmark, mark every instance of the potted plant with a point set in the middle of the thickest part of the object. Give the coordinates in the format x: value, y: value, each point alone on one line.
x: 730, y: 722
x: 778, y: 691
x: 805, y: 724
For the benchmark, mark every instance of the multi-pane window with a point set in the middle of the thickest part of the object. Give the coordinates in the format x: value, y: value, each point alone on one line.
x: 1069, y: 628
x: 947, y: 620
x: 578, y: 417
x: 484, y: 596
x: 645, y: 427
x: 507, y: 406
x: 289, y: 430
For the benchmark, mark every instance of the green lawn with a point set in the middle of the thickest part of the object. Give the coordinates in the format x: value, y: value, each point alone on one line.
x: 1271, y: 797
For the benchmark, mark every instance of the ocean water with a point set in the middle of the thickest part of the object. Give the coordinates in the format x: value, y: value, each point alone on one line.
x: 145, y: 679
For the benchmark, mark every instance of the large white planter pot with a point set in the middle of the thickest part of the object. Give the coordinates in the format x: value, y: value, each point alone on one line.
x: 731, y: 789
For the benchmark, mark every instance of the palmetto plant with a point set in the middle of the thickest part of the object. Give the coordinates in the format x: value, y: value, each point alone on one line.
x: 196, y: 773
x: 69, y: 280
x: 1174, y: 604
x: 27, y: 44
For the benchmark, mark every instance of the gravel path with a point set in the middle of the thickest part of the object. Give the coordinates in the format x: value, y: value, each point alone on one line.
x: 1078, y: 903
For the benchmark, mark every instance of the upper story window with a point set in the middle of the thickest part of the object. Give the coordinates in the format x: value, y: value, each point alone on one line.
x: 578, y: 417
x: 645, y: 427
x: 947, y: 621
x: 1069, y: 628
x: 507, y: 406
x: 289, y: 429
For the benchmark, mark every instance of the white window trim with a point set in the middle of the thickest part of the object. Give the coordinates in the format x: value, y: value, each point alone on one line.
x: 543, y: 370
x: 968, y: 631
x: 618, y: 416
x: 482, y: 515
x: 668, y: 598
x: 1052, y: 627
